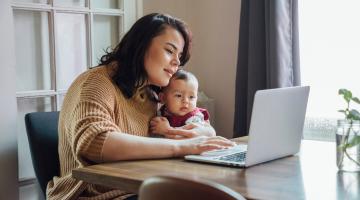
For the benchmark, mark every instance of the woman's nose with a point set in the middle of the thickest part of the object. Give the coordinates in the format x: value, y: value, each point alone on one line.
x: 176, y: 61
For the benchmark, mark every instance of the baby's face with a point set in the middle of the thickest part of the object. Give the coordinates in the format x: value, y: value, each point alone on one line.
x: 180, y: 96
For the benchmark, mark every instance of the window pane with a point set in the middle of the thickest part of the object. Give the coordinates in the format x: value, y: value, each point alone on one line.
x: 71, y: 48
x: 329, y: 50
x: 115, y: 4
x: 26, y: 105
x: 106, y: 34
x: 30, y: 1
x: 69, y: 3
x: 32, y: 50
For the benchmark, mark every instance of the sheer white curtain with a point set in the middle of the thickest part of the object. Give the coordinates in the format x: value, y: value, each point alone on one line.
x: 329, y: 57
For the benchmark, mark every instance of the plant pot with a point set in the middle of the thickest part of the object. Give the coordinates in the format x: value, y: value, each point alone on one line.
x: 348, y: 145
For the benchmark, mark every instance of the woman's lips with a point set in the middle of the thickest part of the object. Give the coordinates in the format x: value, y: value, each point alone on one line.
x: 170, y: 72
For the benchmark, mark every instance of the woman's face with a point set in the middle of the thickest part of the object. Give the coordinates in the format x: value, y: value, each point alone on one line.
x: 162, y: 57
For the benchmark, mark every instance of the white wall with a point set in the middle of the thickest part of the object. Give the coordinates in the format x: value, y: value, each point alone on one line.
x: 215, y: 27
x: 8, y: 145
x: 133, y: 10
x: 172, y: 7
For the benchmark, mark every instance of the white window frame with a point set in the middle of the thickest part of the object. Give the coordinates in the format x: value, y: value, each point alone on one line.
x: 52, y: 8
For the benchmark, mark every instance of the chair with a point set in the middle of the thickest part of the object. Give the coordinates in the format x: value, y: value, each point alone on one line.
x: 175, y: 188
x: 42, y: 132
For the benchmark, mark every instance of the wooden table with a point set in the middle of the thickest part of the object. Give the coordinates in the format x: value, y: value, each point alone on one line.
x: 311, y: 174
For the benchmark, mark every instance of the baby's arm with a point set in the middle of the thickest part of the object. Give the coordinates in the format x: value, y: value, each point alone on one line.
x: 161, y: 126
x: 200, y: 123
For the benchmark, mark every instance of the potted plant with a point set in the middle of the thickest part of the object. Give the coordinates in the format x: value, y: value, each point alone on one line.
x: 348, y: 135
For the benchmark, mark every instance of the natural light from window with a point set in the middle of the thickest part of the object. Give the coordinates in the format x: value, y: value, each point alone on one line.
x: 330, y: 59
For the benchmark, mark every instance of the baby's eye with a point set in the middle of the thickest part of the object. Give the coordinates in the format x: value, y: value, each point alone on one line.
x: 192, y: 97
x: 178, y: 95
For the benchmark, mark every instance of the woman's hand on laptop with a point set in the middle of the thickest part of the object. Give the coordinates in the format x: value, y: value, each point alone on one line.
x: 198, y: 145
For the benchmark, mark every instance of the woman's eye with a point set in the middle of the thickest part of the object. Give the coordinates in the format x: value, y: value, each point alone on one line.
x: 169, y: 51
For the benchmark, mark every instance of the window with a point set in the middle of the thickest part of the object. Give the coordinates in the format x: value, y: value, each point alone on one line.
x: 329, y: 58
x: 55, y: 41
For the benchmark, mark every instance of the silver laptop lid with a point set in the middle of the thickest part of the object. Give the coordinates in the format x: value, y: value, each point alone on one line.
x: 277, y: 122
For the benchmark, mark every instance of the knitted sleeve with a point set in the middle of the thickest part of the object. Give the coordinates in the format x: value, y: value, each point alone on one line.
x: 93, y: 118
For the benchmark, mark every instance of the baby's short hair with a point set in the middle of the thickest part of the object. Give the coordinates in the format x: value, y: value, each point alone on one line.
x: 184, y: 75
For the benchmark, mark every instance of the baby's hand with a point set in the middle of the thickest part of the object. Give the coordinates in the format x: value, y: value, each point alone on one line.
x: 160, y: 125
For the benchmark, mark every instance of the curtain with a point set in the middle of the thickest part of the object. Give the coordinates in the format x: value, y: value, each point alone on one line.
x: 268, y: 53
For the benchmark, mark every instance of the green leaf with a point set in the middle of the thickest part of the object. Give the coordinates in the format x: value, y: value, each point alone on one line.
x: 342, y: 91
x: 346, y: 94
x: 354, y: 114
x: 353, y: 142
x: 356, y: 100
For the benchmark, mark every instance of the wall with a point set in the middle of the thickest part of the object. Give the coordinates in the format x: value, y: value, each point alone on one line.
x: 133, y: 10
x: 215, y: 27
x: 8, y: 145
x: 172, y: 7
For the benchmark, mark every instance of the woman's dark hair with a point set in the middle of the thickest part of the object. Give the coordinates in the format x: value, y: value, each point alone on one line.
x: 129, y: 54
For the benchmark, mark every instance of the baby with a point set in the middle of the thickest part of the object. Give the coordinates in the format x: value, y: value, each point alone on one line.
x: 179, y: 110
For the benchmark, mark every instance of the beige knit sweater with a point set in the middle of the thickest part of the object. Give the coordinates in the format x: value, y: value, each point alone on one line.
x: 93, y: 107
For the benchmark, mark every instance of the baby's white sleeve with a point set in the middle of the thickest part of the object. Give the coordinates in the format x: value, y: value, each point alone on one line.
x: 197, y: 118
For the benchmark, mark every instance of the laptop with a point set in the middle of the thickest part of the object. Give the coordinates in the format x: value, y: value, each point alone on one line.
x: 276, y: 128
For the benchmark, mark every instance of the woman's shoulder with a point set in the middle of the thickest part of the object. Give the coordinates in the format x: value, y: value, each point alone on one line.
x: 100, y: 71
x: 95, y: 77
x: 95, y: 83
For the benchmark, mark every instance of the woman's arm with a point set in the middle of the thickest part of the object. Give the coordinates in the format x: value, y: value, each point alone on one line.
x: 195, y: 129
x: 160, y: 125
x: 121, y: 146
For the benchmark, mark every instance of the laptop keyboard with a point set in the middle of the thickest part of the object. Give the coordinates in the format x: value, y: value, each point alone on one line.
x: 236, y: 157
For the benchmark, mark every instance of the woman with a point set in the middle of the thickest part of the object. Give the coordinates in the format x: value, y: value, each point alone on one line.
x: 106, y: 112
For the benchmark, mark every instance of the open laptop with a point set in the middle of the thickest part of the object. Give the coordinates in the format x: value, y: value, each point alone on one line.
x: 276, y: 127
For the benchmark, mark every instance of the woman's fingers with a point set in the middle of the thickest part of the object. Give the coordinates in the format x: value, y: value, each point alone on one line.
x: 221, y: 141
x: 209, y: 147
x: 214, y: 143
x: 175, y: 137
x: 200, y: 144
x: 189, y: 126
x: 182, y: 133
